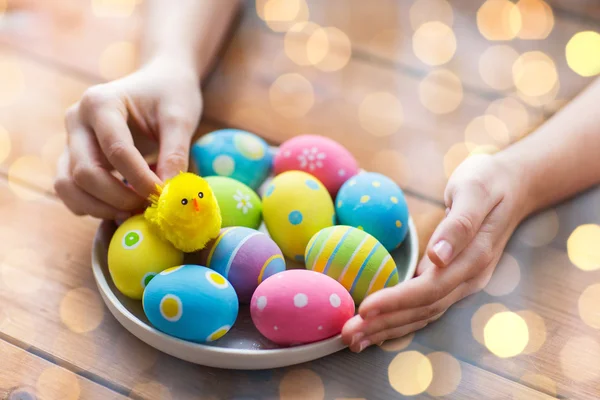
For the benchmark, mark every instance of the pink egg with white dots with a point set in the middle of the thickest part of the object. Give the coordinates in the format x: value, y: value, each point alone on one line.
x: 300, y: 306
x: 325, y: 159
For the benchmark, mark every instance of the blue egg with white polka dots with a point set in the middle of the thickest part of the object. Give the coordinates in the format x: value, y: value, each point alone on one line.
x: 376, y: 204
x: 233, y: 153
x: 192, y: 303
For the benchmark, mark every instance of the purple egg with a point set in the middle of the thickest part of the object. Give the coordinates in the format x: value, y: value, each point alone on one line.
x: 244, y: 256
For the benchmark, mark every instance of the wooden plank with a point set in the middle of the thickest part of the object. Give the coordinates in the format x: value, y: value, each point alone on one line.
x: 25, y: 376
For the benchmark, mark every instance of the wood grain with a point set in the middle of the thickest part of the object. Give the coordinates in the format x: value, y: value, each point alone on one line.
x: 26, y: 376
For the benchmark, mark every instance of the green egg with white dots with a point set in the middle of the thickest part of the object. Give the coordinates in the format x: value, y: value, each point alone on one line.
x: 239, y: 204
x: 136, y: 254
x: 296, y: 205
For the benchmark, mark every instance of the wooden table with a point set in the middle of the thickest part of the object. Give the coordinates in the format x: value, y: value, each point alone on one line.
x: 446, y: 66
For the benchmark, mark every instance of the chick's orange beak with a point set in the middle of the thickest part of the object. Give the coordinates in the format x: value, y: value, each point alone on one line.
x: 196, y: 205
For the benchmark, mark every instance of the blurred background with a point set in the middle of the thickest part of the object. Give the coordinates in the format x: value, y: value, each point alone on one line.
x: 410, y: 87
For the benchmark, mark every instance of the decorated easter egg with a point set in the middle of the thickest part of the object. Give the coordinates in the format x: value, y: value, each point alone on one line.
x: 320, y: 156
x: 295, y: 207
x: 233, y: 153
x: 300, y: 306
x: 191, y: 302
x: 244, y: 256
x: 239, y: 204
x: 136, y: 254
x: 374, y: 203
x: 354, y: 258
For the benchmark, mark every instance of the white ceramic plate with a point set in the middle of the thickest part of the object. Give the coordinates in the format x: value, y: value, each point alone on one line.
x: 243, y: 347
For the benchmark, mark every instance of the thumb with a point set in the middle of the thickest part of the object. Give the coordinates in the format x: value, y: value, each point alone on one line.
x: 174, y: 149
x: 470, y: 206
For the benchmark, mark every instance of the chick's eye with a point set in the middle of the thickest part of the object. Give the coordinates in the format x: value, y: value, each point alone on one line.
x: 200, y: 194
x: 184, y: 201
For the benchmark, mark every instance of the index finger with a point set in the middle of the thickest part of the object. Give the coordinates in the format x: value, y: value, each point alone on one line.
x: 116, y: 142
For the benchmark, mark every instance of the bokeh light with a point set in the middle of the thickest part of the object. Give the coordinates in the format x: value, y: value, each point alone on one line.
x: 58, y: 383
x: 495, y: 66
x: 81, y: 310
x: 301, y: 384
x: 434, y: 43
x: 22, y: 271
x: 280, y: 15
x: 410, y: 373
x: 579, y: 359
x: 423, y: 11
x: 539, y: 230
x: 538, y: 382
x: 2, y: 7
x: 118, y: 60
x: 153, y: 389
x: 546, y: 100
x: 329, y: 49
x: 506, y: 334
x: 5, y: 146
x: 537, y: 19
x: 589, y: 306
x: 29, y: 169
x: 113, y: 8
x: 441, y: 91
x: 583, y: 248
x: 295, y: 42
x: 499, y: 20
x: 392, y: 163
x: 481, y: 318
x: 381, y: 114
x: 398, y: 344
x: 12, y: 80
x: 537, y: 331
x: 513, y: 114
x: 582, y: 53
x: 292, y: 95
x: 506, y: 277
x: 534, y: 74
x: 486, y: 130
x: 455, y: 155
x: 447, y: 374
x: 53, y: 148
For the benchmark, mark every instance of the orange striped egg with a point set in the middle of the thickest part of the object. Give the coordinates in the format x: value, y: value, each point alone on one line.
x: 354, y: 258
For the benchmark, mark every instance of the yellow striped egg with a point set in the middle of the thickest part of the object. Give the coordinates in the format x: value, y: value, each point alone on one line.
x: 354, y: 258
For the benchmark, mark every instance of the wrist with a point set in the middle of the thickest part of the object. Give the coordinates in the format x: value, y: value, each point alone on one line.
x: 174, y: 65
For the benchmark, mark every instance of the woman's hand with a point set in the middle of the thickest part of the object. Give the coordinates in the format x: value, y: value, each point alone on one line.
x: 484, y: 202
x: 161, y: 101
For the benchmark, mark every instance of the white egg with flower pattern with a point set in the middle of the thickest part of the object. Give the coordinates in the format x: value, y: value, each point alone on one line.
x: 191, y: 302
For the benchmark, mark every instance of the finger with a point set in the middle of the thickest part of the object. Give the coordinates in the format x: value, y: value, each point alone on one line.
x: 351, y: 332
x: 89, y: 173
x: 388, y: 334
x: 116, y: 142
x: 470, y: 205
x: 174, y: 152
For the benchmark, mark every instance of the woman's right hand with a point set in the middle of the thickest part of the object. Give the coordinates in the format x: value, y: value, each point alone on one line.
x: 161, y: 101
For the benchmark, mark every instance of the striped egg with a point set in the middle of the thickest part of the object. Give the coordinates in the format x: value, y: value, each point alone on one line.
x: 245, y: 257
x: 354, y: 258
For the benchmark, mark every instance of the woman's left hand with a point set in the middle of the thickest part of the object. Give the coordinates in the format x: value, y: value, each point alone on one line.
x: 484, y: 207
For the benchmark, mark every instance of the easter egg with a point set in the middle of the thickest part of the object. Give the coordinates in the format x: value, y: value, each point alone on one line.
x: 244, y: 256
x: 374, y: 203
x: 295, y: 207
x: 239, y: 204
x: 320, y: 156
x: 136, y: 254
x: 191, y: 302
x: 352, y: 257
x: 233, y: 153
x: 300, y: 306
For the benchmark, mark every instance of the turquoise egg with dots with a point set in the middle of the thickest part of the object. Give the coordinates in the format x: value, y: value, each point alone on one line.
x: 376, y: 204
x: 191, y: 302
x: 233, y: 153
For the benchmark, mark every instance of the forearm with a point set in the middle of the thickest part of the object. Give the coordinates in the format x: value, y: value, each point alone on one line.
x: 562, y: 157
x: 187, y: 31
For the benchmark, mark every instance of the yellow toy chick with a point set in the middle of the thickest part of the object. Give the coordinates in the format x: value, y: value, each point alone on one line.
x: 186, y: 212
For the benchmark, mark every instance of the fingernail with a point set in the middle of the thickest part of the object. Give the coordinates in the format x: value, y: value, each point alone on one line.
x: 443, y: 250
x: 372, y: 314
x: 363, y: 345
x: 357, y: 337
